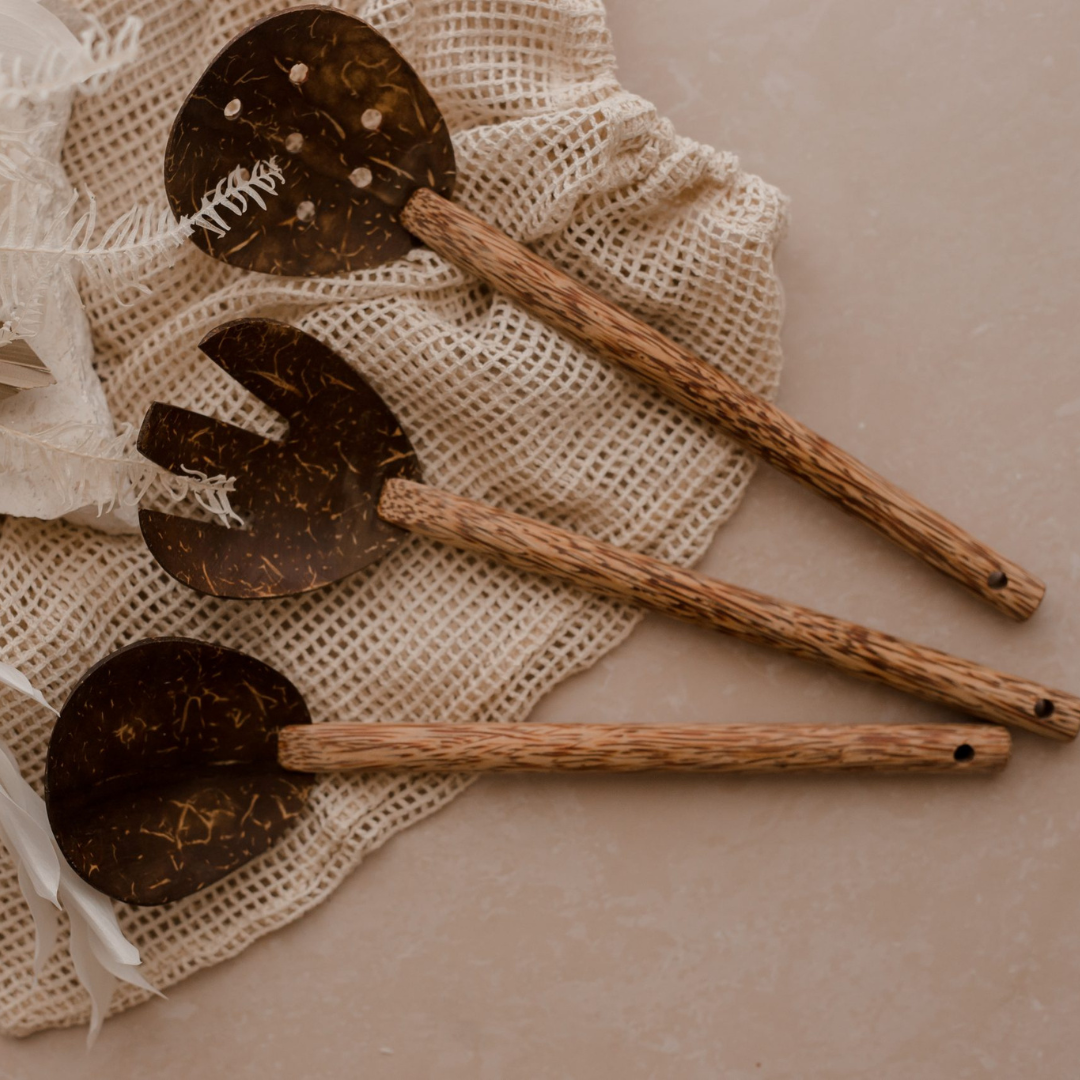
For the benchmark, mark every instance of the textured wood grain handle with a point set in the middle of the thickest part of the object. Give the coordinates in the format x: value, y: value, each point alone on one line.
x: 686, y: 594
x: 781, y: 440
x: 740, y: 748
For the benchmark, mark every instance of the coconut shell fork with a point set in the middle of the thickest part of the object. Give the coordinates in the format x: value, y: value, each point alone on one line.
x: 344, y: 487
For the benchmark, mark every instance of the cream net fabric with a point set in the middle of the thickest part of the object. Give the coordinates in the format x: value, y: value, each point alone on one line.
x: 499, y: 407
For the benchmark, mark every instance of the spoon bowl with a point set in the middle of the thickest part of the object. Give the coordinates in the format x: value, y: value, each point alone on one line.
x: 162, y: 774
x: 349, y: 119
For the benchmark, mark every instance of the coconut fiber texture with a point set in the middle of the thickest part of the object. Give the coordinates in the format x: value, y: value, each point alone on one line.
x: 500, y: 408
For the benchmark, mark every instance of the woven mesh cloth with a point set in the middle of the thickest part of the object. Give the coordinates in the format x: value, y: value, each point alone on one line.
x: 499, y: 407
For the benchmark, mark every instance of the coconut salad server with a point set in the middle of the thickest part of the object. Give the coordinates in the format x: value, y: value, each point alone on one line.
x: 368, y: 171
x: 343, y: 488
x: 175, y: 761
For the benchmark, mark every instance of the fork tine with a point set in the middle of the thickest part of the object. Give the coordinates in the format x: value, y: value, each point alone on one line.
x: 208, y: 557
x: 281, y: 365
x: 176, y: 439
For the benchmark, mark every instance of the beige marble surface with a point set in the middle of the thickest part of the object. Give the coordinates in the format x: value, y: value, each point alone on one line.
x: 786, y: 928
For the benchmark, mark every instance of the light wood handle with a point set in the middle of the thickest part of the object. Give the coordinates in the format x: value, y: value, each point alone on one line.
x: 781, y: 440
x: 686, y: 594
x: 756, y: 748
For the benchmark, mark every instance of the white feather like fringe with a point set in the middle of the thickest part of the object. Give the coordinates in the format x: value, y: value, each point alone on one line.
x: 99, y: 951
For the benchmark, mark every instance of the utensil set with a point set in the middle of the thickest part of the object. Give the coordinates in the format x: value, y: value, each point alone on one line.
x: 176, y: 761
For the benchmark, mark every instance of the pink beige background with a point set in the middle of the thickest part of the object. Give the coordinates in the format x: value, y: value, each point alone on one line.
x: 779, y: 928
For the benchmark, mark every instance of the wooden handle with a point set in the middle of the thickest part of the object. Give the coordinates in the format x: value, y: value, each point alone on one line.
x: 757, y: 748
x: 781, y: 440
x: 686, y: 594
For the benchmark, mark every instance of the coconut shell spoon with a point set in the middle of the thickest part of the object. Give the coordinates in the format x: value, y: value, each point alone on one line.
x: 368, y: 172
x: 176, y: 761
x: 343, y: 488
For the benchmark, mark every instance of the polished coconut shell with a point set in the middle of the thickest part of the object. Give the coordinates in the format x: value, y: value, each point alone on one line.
x: 162, y: 773
x: 350, y: 125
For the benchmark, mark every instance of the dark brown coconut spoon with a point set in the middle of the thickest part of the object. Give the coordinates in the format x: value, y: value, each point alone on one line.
x: 175, y: 761
x: 342, y: 489
x: 368, y: 171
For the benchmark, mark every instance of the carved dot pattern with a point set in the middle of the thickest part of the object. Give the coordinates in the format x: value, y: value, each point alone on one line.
x: 345, y: 66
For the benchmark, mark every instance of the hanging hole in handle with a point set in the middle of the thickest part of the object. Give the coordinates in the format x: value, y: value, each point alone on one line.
x: 1044, y: 708
x: 998, y: 579
x: 964, y: 752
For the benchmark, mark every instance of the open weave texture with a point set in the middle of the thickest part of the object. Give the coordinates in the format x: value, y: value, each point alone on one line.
x: 499, y: 407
